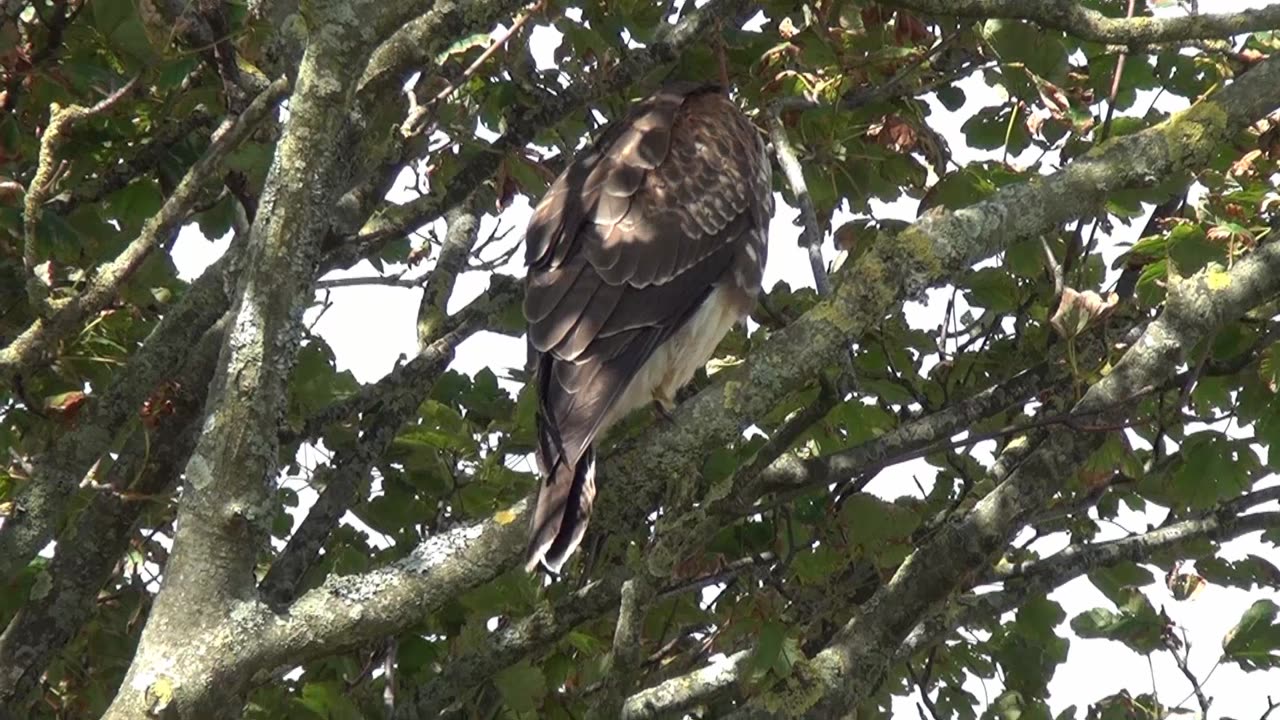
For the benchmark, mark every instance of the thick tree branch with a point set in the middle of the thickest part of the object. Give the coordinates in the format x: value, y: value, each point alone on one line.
x: 418, y: 41
x: 1041, y: 576
x: 681, y: 693
x: 625, y: 655
x: 224, y: 514
x: 1075, y: 19
x: 43, y: 501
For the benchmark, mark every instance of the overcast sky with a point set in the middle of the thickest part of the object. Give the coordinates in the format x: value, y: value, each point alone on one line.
x: 368, y: 327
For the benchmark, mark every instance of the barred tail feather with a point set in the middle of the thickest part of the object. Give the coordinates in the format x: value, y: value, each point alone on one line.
x: 560, y: 517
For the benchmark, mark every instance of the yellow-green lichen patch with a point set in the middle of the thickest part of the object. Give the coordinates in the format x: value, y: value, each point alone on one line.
x: 797, y: 693
x: 1191, y: 129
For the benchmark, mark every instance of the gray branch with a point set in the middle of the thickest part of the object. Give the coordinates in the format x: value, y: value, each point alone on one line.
x: 43, y: 504
x: 811, y: 235
x: 1085, y: 23
x: 1041, y: 576
x: 224, y: 514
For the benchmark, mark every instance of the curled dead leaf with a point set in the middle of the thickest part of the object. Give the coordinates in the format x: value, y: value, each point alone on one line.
x: 1077, y: 310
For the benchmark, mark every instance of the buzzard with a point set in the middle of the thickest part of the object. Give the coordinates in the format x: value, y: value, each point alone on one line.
x: 642, y: 255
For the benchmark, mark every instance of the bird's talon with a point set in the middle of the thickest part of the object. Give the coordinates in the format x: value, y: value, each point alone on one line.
x: 664, y: 415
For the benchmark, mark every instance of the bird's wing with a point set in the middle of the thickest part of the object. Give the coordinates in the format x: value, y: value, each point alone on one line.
x: 625, y: 246
x: 632, y: 237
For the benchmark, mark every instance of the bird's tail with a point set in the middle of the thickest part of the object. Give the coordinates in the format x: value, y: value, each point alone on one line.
x: 560, y: 517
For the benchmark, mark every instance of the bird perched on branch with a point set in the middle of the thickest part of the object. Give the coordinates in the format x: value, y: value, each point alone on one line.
x: 642, y: 255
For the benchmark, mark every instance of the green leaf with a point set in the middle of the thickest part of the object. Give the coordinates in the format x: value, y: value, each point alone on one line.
x: 880, y: 529
x: 137, y: 202
x: 522, y: 686
x: 1213, y: 467
x: 1191, y: 250
x: 1250, y: 572
x: 329, y: 700
x: 1118, y: 581
x: 768, y: 646
x: 1254, y: 643
x: 951, y: 97
x: 1137, y: 624
x: 108, y: 14
x: 415, y: 654
x: 992, y: 288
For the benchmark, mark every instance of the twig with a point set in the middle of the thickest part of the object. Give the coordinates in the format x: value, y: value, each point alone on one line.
x: 811, y: 235
x: 1105, y: 131
x: 1181, y: 660
x: 924, y: 693
x: 61, y: 120
x: 1115, y: 85
x: 389, y: 674
x: 1055, y: 268
x: 392, y: 280
x: 414, y: 124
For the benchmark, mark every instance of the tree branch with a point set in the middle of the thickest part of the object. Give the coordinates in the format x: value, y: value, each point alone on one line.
x: 61, y: 120
x: 1088, y: 24
x: 542, y: 629
x: 625, y: 655
x: 32, y: 346
x: 811, y: 235
x: 56, y: 474
x: 223, y: 517
x: 1042, y: 576
x: 533, y: 634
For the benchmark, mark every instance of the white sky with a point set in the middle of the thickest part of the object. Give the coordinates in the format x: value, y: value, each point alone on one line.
x: 368, y: 327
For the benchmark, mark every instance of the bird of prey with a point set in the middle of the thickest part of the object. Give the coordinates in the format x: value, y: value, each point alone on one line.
x: 642, y: 255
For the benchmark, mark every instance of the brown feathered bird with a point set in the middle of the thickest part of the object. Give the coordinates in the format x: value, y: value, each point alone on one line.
x: 642, y: 255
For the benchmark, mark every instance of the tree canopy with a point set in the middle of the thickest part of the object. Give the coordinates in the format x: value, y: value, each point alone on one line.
x: 1075, y: 319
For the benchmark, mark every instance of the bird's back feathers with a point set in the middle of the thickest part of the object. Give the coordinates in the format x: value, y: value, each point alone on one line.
x: 626, y: 245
